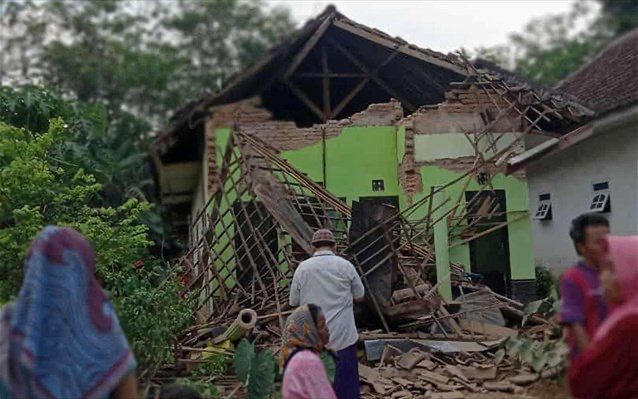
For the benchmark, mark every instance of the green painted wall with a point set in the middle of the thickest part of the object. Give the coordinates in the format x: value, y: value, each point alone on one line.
x: 520, y: 232
x: 362, y: 154
x: 358, y: 156
x: 353, y: 159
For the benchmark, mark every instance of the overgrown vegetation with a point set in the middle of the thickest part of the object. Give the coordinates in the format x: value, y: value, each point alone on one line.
x: 546, y: 281
x: 549, y: 48
x: 133, y: 63
x: 46, y: 177
x: 546, y: 355
x: 257, y: 370
x: 77, y: 155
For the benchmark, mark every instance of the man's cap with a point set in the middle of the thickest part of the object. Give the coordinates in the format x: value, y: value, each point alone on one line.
x: 323, y: 235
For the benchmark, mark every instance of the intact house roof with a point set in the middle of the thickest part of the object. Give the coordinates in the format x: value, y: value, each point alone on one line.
x: 332, y: 68
x: 608, y: 84
x: 610, y: 80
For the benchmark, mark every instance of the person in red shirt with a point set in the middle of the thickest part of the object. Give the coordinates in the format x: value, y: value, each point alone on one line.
x: 583, y: 307
x: 608, y: 368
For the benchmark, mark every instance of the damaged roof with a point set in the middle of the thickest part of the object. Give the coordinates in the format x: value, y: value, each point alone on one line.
x: 352, y: 66
x: 248, y: 82
x: 610, y: 80
x: 425, y: 74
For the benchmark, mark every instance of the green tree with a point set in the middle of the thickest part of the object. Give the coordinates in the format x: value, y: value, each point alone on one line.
x: 217, y: 38
x: 41, y: 185
x: 551, y: 47
x: 145, y: 57
x: 621, y: 15
x: 138, y: 61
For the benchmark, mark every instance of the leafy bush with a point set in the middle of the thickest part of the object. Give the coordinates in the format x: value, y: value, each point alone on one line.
x: 215, y: 365
x: 539, y: 355
x: 256, y: 370
x: 38, y: 188
x: 545, y: 281
x: 205, y: 388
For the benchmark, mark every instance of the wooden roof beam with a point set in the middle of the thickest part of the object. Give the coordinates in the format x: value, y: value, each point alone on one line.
x: 422, y: 55
x: 310, y: 44
x: 373, y: 74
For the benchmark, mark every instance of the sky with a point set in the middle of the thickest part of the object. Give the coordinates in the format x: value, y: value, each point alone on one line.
x: 439, y: 25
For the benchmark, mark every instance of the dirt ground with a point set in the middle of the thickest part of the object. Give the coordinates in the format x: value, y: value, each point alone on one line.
x: 546, y: 389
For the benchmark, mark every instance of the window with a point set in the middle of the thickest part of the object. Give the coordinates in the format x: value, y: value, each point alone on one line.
x: 544, y: 210
x: 378, y: 185
x: 600, y: 198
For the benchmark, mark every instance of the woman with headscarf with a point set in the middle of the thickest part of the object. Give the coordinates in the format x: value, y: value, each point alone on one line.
x: 305, y: 338
x: 609, y: 367
x: 61, y: 338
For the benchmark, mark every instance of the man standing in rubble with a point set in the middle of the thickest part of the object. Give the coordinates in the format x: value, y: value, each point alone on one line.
x: 332, y: 283
x: 583, y: 307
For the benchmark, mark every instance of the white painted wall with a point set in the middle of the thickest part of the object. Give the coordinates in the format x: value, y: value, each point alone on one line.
x: 432, y: 147
x: 611, y: 154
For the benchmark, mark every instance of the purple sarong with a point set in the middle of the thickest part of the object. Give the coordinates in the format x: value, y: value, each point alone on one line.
x: 346, y: 383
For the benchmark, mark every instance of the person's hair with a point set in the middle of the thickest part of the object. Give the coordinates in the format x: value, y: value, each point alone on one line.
x: 315, y: 312
x: 177, y: 391
x: 580, y: 224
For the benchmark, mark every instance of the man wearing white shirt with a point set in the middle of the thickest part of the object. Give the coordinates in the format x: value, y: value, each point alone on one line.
x: 332, y: 283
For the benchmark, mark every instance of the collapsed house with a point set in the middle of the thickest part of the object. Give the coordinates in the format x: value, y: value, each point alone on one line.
x: 400, y: 151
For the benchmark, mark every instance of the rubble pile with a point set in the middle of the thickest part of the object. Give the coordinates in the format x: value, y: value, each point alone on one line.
x: 445, y: 369
x: 257, y: 226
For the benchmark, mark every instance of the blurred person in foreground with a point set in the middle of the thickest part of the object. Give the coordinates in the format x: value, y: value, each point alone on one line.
x: 61, y: 338
x: 333, y: 284
x: 305, y: 338
x: 583, y: 307
x: 609, y: 367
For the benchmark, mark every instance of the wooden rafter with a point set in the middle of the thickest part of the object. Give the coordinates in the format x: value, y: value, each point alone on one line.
x: 373, y: 74
x: 310, y: 44
x: 346, y: 100
x: 408, y: 50
x: 331, y: 75
x: 302, y: 96
x: 325, y: 84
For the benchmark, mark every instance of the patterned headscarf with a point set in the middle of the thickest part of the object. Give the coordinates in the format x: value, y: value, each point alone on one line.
x: 65, y: 340
x: 300, y: 333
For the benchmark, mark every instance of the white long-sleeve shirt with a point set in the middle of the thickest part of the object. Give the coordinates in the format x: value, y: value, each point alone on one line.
x: 332, y: 283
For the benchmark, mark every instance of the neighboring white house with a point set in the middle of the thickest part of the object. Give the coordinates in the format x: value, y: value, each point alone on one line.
x: 593, y: 168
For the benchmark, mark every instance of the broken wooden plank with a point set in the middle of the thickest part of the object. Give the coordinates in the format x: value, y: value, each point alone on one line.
x: 426, y: 364
x: 446, y: 395
x: 368, y: 373
x: 409, y: 360
x: 407, y: 293
x: 499, y: 386
x: 490, y: 329
x: 458, y: 346
x: 524, y: 379
x: 479, y: 373
x: 432, y: 377
x: 455, y: 371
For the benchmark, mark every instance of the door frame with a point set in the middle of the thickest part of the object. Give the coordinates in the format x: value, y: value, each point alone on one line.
x: 501, y: 196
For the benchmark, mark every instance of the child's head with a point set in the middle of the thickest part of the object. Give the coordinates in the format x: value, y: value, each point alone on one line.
x: 588, y: 232
x: 177, y: 391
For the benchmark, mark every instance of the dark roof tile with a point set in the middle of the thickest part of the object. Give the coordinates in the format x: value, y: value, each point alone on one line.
x: 610, y: 80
